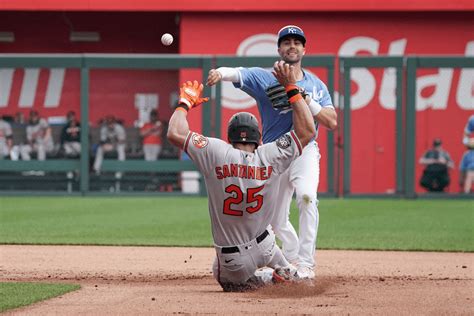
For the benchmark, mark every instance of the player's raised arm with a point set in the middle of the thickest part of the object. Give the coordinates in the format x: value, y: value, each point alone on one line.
x: 224, y: 74
x: 189, y: 97
x: 302, y: 119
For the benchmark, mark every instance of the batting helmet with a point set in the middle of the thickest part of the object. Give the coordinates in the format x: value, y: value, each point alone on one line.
x: 243, y: 128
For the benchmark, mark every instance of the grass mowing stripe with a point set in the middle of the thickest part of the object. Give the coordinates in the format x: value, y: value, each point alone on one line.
x: 397, y: 225
x: 435, y: 225
x: 114, y: 221
x: 17, y: 294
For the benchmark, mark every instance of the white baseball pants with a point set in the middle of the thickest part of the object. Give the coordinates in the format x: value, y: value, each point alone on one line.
x: 302, y: 177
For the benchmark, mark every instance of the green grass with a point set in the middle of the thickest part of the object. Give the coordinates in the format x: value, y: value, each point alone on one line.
x: 105, y: 221
x: 17, y: 294
x: 429, y: 225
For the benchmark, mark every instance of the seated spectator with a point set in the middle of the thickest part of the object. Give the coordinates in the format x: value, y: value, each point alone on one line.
x: 6, y: 138
x: 112, y: 138
x: 71, y: 136
x: 467, y: 161
x: 435, y: 177
x: 39, y: 137
x: 151, y: 133
x: 19, y: 118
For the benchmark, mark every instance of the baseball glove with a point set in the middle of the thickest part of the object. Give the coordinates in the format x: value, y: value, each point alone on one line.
x: 277, y: 95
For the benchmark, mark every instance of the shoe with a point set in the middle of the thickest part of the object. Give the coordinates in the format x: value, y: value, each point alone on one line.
x: 265, y: 275
x: 305, y: 273
x: 285, y: 274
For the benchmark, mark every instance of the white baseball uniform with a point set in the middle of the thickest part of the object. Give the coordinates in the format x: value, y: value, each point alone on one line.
x: 5, y: 132
x: 242, y: 190
x: 303, y: 175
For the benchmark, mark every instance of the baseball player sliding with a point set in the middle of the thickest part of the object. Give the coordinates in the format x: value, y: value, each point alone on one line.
x: 277, y: 119
x: 243, y: 184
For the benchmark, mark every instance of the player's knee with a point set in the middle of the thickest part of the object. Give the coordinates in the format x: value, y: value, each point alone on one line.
x: 307, y: 197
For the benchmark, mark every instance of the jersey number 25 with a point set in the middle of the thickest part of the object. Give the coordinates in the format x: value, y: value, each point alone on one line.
x: 252, y: 197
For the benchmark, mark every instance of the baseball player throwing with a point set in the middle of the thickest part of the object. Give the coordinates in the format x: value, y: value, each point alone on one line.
x: 240, y: 180
x: 277, y: 120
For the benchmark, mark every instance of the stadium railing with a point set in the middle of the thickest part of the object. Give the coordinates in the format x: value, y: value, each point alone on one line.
x: 405, y: 111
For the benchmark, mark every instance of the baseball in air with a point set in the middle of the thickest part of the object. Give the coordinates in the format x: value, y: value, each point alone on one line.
x: 167, y: 39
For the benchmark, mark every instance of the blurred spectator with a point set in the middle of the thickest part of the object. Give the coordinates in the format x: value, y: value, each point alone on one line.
x: 112, y: 138
x: 467, y: 161
x: 151, y: 133
x: 6, y: 138
x: 435, y: 177
x: 468, y: 139
x: 38, y: 135
x: 19, y: 118
x: 71, y: 136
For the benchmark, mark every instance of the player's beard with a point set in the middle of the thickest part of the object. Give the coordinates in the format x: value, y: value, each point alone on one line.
x: 292, y: 59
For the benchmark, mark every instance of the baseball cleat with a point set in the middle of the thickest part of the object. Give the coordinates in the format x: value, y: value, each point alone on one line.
x: 265, y: 275
x: 285, y: 274
x: 305, y: 273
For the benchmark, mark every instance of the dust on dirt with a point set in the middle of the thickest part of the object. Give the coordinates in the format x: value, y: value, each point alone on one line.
x: 159, y: 280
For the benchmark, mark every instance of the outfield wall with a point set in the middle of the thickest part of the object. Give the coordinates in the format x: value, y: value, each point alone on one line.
x: 444, y: 96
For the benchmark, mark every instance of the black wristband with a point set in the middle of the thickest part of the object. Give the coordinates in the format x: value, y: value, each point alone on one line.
x: 292, y: 93
x: 182, y: 105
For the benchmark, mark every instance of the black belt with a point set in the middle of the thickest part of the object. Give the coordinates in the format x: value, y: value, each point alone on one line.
x: 236, y: 249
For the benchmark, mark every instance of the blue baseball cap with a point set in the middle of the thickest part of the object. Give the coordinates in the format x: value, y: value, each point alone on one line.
x: 291, y: 30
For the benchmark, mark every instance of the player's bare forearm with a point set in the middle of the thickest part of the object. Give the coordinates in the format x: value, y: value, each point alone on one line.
x: 327, y: 117
x: 303, y: 122
x: 178, y: 128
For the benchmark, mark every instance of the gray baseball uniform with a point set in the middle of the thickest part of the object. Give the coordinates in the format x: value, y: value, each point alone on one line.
x: 5, y: 132
x: 42, y: 144
x: 242, y: 190
x: 114, y: 136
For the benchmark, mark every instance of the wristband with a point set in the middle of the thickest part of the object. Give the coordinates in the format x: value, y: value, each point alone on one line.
x: 296, y: 98
x: 182, y: 106
x: 292, y: 93
x: 291, y: 87
x: 314, y: 107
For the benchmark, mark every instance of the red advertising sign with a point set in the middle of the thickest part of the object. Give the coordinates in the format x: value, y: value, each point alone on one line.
x: 445, y: 97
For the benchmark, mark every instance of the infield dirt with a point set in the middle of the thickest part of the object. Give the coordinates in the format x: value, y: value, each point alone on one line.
x: 156, y: 280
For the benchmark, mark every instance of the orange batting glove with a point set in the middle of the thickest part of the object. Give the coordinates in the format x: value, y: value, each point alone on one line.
x: 190, y: 95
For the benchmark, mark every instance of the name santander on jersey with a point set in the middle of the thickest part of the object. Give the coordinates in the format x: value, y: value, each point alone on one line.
x: 243, y: 171
x: 242, y: 186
